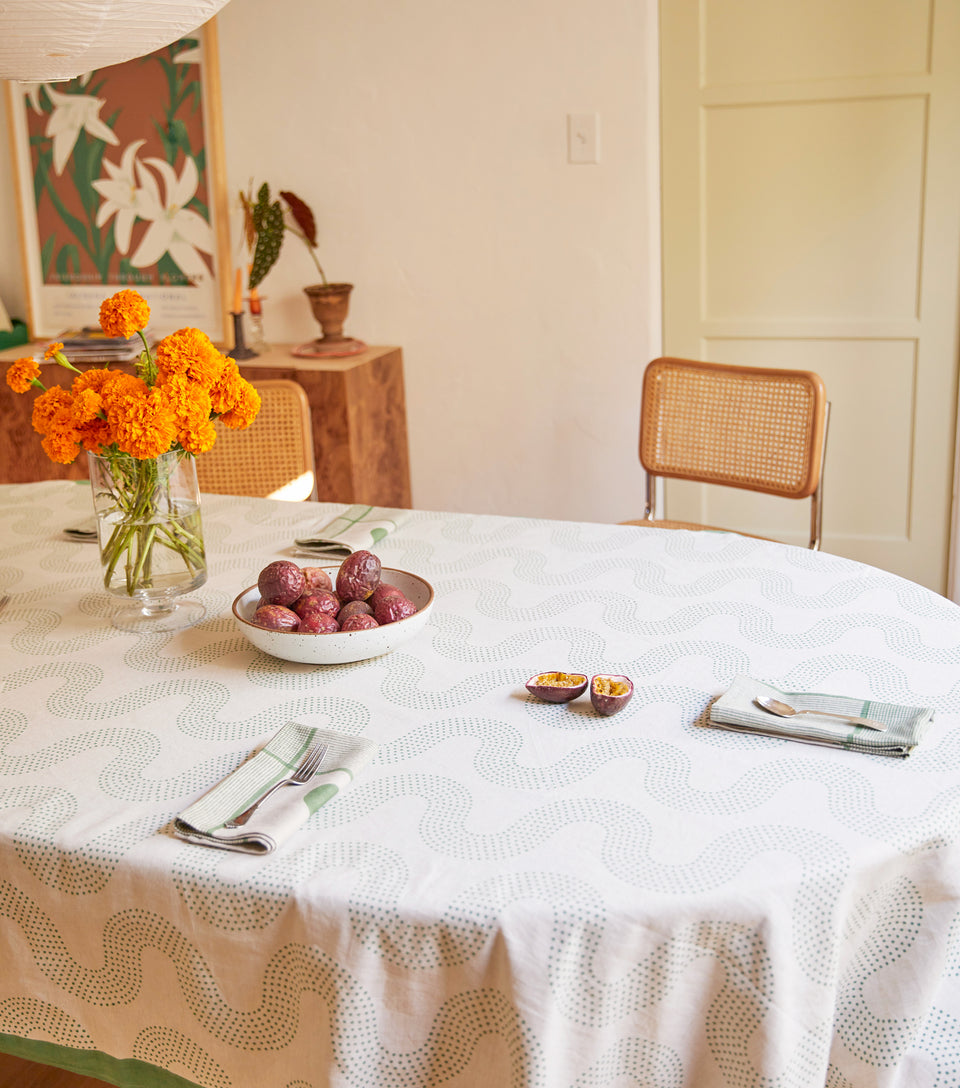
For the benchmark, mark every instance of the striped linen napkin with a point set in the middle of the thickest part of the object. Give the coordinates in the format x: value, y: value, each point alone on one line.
x: 289, y: 807
x: 358, y: 528
x: 906, y: 725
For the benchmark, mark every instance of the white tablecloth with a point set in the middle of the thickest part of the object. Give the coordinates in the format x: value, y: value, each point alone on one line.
x: 512, y: 893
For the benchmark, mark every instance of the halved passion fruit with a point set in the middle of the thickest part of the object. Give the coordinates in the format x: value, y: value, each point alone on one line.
x: 610, y: 694
x: 557, y: 687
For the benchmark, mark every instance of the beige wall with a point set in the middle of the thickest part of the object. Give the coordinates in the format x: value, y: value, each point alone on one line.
x: 430, y: 139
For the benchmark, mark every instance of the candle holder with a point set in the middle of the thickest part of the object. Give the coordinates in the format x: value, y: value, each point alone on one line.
x: 255, y: 314
x: 240, y: 349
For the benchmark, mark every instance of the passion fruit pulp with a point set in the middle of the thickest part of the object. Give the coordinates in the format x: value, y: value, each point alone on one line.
x: 610, y: 694
x: 557, y: 687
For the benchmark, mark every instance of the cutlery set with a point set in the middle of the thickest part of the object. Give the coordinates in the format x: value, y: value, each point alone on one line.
x: 303, y: 772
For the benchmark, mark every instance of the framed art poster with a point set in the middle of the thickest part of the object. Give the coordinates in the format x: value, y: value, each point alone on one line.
x: 120, y: 183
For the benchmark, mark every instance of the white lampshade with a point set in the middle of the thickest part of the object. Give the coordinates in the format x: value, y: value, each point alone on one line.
x: 46, y: 40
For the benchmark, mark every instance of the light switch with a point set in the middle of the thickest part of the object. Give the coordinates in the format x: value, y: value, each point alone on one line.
x: 583, y: 138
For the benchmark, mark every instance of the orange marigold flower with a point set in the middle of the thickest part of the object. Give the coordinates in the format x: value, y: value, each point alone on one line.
x: 199, y: 437
x: 124, y: 314
x: 117, y: 387
x: 193, y: 406
x: 53, y: 350
x: 245, y: 408
x: 190, y: 404
x: 22, y: 373
x: 190, y: 352
x: 92, y: 379
x: 61, y: 443
x: 46, y: 406
x: 95, y: 435
x: 86, y: 406
x: 174, y: 383
x: 147, y: 426
x: 226, y: 392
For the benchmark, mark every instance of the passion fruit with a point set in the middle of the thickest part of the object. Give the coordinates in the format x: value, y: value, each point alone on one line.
x: 320, y: 600
x: 275, y: 617
x: 392, y: 608
x: 354, y: 608
x: 358, y: 576
x: 384, y: 589
x: 319, y: 623
x: 557, y: 687
x: 281, y: 582
x: 359, y: 621
x: 316, y: 578
x: 610, y: 694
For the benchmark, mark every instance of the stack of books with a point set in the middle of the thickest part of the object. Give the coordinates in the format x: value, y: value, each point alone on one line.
x: 92, y: 345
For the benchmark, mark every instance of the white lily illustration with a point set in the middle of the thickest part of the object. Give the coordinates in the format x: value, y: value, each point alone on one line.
x: 174, y: 228
x: 120, y: 196
x: 32, y: 91
x: 71, y: 113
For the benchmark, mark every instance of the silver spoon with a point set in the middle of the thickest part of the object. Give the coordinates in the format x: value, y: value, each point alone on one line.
x: 783, y: 710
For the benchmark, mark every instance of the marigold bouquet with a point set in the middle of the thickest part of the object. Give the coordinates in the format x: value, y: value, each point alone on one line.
x: 168, y: 405
x: 139, y: 428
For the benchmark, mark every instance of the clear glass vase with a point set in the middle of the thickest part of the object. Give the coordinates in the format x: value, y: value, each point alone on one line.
x: 151, y: 538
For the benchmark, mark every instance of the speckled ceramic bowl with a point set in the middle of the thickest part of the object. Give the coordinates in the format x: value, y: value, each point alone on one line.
x: 342, y: 646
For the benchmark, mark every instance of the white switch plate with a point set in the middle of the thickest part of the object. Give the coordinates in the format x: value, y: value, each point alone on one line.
x: 583, y: 138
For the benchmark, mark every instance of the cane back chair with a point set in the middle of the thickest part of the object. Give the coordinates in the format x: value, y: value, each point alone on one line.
x: 272, y: 458
x: 755, y: 428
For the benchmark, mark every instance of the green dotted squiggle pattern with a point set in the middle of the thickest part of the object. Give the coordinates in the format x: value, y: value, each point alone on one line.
x: 512, y: 892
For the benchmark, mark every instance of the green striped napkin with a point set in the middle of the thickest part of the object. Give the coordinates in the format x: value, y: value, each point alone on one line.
x: 906, y: 725
x: 358, y: 528
x: 289, y: 807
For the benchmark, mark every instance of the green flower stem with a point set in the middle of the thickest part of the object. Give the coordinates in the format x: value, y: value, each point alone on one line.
x: 139, y: 495
x: 146, y: 366
x: 186, y: 544
x: 146, y: 555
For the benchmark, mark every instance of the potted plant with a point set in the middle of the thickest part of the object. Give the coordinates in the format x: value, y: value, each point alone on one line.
x: 266, y: 224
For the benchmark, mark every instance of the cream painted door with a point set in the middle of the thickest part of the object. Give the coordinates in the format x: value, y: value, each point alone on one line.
x: 811, y: 219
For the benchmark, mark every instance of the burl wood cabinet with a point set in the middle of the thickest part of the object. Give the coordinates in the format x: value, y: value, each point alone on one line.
x: 357, y: 405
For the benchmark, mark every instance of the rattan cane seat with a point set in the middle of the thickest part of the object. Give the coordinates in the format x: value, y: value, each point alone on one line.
x: 755, y: 428
x: 274, y: 457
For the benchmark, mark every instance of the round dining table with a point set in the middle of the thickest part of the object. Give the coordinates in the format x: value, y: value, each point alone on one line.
x: 511, y: 893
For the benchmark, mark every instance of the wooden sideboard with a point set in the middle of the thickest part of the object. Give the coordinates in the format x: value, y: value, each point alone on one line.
x: 357, y: 404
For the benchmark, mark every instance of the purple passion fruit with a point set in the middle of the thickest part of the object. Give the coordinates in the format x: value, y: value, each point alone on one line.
x: 358, y: 577
x: 390, y: 609
x: 384, y: 589
x: 316, y: 578
x: 275, y: 617
x: 610, y: 694
x: 303, y: 599
x: 281, y: 582
x: 359, y: 621
x: 319, y: 623
x: 354, y: 608
x: 317, y: 601
x: 557, y: 687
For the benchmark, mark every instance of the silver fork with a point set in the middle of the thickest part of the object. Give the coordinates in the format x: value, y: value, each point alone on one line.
x: 304, y: 771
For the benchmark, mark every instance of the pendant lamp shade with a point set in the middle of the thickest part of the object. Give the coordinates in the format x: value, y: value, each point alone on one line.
x: 46, y: 40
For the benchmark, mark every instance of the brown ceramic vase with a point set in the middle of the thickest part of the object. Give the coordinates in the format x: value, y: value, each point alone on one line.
x: 330, y: 303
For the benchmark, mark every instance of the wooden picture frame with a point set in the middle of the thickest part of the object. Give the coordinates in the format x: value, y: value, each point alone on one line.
x: 121, y: 182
